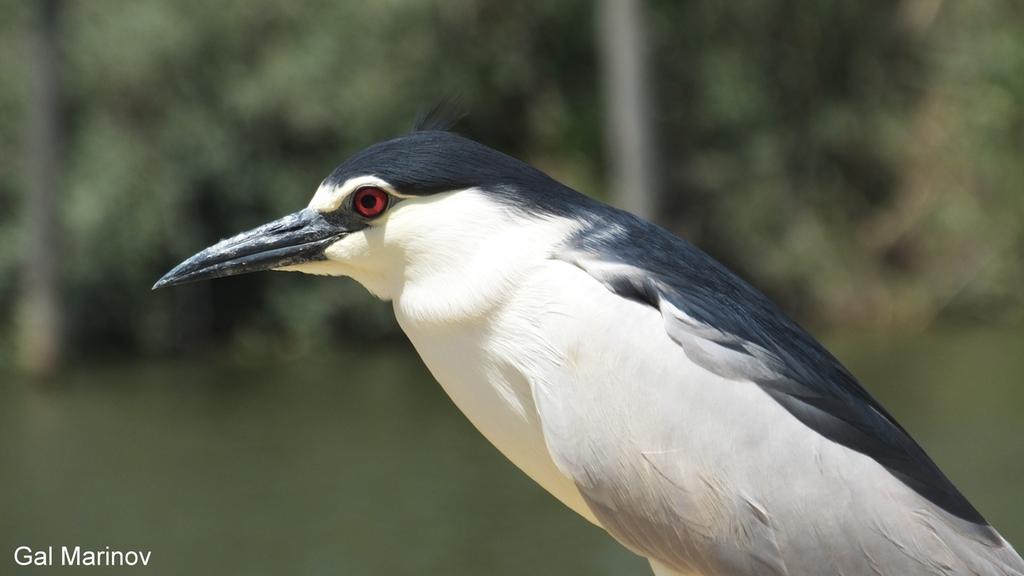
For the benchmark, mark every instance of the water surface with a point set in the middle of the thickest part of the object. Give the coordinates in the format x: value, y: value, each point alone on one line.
x: 359, y: 464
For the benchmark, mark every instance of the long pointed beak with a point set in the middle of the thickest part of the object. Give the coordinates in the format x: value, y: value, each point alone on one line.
x: 294, y: 239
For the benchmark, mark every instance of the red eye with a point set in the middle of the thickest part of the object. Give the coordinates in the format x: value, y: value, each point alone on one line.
x: 370, y: 201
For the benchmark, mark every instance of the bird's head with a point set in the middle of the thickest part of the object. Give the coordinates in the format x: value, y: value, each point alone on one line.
x: 431, y: 217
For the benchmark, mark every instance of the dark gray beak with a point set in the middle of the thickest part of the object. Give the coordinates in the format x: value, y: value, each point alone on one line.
x: 294, y: 239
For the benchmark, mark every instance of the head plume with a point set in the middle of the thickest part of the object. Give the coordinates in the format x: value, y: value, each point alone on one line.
x: 443, y: 115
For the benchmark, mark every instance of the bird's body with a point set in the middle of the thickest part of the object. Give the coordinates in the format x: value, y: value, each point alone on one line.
x: 642, y: 384
x: 545, y: 371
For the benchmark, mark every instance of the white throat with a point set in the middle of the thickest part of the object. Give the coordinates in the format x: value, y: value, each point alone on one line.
x: 457, y: 277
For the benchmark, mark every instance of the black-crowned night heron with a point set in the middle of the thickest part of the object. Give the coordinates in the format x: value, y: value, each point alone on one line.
x: 631, y: 375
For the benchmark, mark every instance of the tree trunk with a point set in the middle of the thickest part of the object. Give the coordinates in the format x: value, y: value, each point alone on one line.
x: 622, y: 37
x: 41, y: 311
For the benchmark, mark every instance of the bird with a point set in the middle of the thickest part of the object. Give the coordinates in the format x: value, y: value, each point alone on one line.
x: 634, y: 377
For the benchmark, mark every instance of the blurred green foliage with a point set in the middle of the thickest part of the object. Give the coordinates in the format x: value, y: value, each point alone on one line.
x: 860, y: 161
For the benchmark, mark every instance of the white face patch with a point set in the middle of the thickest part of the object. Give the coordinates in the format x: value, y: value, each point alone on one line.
x: 441, y: 257
x: 329, y: 197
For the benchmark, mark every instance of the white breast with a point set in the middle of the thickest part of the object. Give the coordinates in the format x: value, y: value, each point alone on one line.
x: 477, y: 365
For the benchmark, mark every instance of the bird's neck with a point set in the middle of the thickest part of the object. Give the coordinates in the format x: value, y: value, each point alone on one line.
x: 446, y: 287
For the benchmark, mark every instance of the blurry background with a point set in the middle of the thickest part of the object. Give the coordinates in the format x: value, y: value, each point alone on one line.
x: 861, y: 162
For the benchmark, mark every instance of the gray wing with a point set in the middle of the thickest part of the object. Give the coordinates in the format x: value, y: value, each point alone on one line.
x: 732, y: 330
x: 701, y: 300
